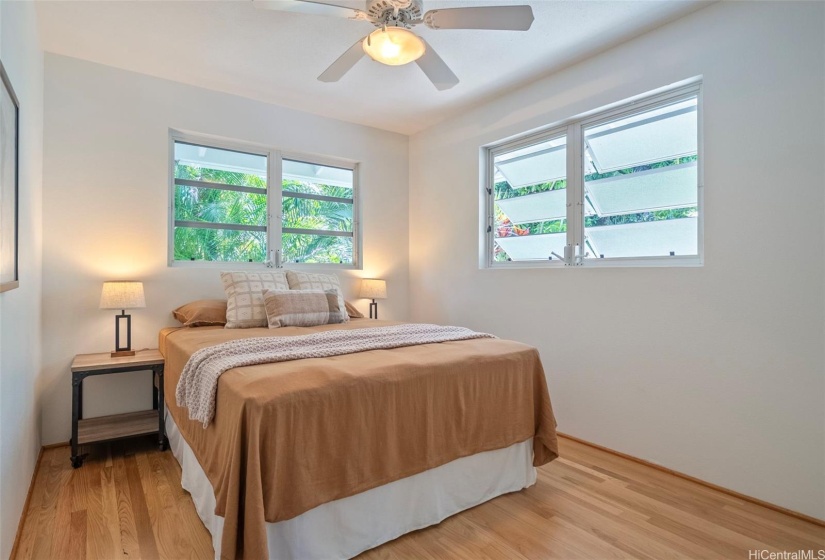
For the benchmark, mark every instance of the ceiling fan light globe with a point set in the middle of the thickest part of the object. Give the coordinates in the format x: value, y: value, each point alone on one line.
x: 394, y: 46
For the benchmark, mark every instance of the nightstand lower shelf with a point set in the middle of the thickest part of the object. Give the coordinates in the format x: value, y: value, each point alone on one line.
x: 91, y: 430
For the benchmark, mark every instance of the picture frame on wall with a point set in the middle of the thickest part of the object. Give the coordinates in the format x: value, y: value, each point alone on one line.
x: 9, y: 183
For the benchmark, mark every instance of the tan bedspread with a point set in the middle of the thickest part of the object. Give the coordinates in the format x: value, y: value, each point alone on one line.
x: 289, y: 436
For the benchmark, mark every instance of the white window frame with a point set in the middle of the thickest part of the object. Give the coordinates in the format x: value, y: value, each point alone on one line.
x: 573, y: 129
x: 274, y: 194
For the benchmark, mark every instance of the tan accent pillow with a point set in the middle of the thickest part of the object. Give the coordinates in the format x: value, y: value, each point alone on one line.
x: 352, y: 312
x: 312, y: 281
x: 245, y: 300
x: 301, y: 308
x: 202, y: 313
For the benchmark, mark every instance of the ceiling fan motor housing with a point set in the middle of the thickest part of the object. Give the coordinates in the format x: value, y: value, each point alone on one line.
x: 383, y: 12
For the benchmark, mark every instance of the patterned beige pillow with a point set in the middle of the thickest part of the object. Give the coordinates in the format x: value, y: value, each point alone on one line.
x: 244, y: 294
x: 323, y: 282
x: 301, y: 308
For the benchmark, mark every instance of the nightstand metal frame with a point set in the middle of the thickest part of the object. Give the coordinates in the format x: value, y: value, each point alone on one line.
x: 77, y: 402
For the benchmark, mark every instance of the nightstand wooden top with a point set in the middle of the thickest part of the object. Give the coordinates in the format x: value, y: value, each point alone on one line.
x: 91, y: 362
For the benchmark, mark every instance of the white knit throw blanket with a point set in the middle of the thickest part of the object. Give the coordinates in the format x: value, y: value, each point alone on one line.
x: 199, y: 381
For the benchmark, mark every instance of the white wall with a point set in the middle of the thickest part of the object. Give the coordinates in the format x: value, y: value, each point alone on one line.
x: 718, y: 371
x: 106, y: 211
x: 20, y: 308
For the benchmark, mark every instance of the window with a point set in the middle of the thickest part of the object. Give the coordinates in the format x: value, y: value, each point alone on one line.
x: 220, y: 205
x: 318, y: 204
x: 530, y: 201
x: 619, y: 187
x: 234, y: 204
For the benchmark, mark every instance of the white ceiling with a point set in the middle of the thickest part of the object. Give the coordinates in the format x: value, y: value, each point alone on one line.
x: 275, y: 57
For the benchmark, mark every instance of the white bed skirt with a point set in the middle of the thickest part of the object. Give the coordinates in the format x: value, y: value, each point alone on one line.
x: 344, y: 528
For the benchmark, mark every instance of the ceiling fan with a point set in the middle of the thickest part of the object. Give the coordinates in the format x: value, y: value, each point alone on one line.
x: 393, y: 43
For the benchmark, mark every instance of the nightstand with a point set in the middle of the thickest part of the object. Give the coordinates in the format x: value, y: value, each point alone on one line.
x: 116, y: 426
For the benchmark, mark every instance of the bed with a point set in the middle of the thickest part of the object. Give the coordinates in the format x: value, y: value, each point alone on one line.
x: 328, y: 457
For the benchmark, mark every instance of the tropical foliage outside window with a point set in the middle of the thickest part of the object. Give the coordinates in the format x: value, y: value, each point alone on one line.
x: 318, y: 220
x: 221, y: 209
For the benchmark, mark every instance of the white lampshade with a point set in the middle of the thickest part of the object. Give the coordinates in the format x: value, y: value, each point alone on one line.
x: 393, y: 46
x: 372, y: 288
x: 122, y: 295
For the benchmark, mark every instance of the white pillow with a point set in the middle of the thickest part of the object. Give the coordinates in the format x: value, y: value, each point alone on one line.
x: 312, y: 281
x: 244, y: 295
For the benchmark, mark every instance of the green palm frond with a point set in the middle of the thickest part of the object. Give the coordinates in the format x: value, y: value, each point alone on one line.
x: 231, y: 207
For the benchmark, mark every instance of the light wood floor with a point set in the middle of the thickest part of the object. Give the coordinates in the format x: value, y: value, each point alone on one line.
x: 126, y: 502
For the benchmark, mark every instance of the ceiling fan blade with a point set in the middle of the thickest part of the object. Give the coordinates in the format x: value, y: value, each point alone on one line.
x: 508, y: 18
x: 344, y: 63
x: 436, y: 69
x: 313, y: 7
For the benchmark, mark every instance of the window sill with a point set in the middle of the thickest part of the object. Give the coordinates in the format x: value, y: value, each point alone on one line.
x: 652, y: 262
x: 231, y: 265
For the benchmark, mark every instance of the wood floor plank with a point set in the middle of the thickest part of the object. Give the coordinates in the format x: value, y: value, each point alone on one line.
x: 163, y: 511
x: 62, y: 534
x: 524, y: 537
x: 129, y: 546
x: 188, y: 521
x: 140, y: 510
x: 148, y: 492
x: 77, y: 537
x: 676, y: 520
x: 581, y: 543
x: 566, y: 500
x: 458, y: 537
x: 775, y: 521
x: 56, y: 483
x: 634, y: 472
x: 31, y: 517
x: 605, y: 526
x: 478, y: 542
x: 102, y: 535
x: 755, y: 529
x: 127, y: 502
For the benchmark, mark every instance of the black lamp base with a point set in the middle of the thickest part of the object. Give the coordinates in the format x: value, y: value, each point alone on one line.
x: 373, y: 310
x: 121, y: 351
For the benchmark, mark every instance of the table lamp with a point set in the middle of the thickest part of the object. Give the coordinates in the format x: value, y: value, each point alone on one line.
x: 122, y: 295
x: 372, y: 288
